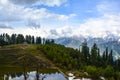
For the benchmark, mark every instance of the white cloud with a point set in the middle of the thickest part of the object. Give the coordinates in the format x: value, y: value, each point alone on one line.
x: 26, y: 31
x: 23, y: 2
x: 64, y: 17
x: 97, y: 27
x: 50, y: 3
x: 94, y: 27
x: 4, y: 26
x: 11, y: 12
x: 66, y: 31
x: 3, y: 1
x: 33, y: 24
x: 109, y: 7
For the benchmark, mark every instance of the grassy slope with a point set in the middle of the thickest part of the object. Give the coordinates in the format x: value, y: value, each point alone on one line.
x: 16, y: 55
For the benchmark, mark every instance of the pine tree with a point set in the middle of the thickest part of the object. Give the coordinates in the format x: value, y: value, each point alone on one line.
x: 106, y: 54
x: 7, y: 38
x: 111, y: 57
x: 85, y: 51
x: 94, y: 54
x: 28, y: 39
x: 43, y: 40
x: 104, y: 58
x: 20, y: 39
x: 33, y: 41
x: 52, y: 41
x: 38, y: 40
x: 13, y: 39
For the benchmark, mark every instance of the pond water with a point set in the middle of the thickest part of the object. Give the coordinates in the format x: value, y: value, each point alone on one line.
x: 32, y: 76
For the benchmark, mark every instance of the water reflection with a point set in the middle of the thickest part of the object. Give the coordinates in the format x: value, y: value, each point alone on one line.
x: 34, y: 76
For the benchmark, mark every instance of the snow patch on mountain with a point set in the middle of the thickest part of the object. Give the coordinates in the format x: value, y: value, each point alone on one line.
x: 110, y: 41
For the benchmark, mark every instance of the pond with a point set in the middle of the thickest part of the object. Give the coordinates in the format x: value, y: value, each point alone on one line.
x: 33, y: 75
x: 30, y: 73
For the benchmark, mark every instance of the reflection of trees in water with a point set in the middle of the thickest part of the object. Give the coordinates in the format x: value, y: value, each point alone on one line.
x: 32, y: 76
x: 43, y: 77
x: 11, y: 76
x: 6, y: 77
x: 37, y: 69
x: 1, y: 77
x: 25, y: 59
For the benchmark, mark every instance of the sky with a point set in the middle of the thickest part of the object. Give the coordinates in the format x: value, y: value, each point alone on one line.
x: 60, y: 18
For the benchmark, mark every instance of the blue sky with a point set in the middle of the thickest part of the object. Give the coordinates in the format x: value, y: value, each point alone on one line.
x: 60, y: 18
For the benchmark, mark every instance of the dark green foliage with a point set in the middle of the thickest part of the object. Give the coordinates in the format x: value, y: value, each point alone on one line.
x: 3, y: 40
x: 96, y: 72
x: 7, y: 38
x: 28, y: 39
x: 52, y: 41
x: 93, y: 71
x: 109, y: 71
x: 85, y: 52
x: 110, y: 58
x: 38, y: 40
x: 117, y: 64
x: 33, y: 40
x: 66, y: 58
x: 94, y: 55
x: 13, y: 39
x: 20, y: 39
x: 106, y: 54
x: 2, y: 43
x: 43, y: 41
x: 49, y: 41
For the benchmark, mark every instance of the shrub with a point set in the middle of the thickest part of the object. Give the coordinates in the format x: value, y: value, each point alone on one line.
x: 109, y: 71
x: 93, y: 71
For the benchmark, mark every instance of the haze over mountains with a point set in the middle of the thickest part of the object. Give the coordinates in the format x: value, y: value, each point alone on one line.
x: 110, y: 40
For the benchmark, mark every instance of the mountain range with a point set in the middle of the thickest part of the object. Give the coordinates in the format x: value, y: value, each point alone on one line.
x: 111, y: 41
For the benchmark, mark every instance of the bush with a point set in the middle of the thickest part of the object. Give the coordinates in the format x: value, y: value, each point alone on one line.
x: 93, y: 71
x: 111, y: 78
x: 109, y: 71
x: 117, y: 76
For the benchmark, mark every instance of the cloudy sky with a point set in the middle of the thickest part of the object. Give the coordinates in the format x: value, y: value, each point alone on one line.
x: 60, y: 18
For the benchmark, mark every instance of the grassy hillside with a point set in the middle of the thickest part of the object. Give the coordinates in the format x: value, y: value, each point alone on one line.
x: 19, y: 54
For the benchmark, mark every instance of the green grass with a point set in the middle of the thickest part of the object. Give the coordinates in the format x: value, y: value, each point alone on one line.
x: 12, y: 55
x: 4, y: 70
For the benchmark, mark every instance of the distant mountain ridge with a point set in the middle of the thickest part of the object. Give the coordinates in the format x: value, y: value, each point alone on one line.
x: 110, y: 41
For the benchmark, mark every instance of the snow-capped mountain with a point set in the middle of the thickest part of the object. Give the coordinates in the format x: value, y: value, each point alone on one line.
x: 111, y: 41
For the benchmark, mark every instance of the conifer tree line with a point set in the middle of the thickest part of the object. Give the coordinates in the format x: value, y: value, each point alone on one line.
x: 94, y: 58
x: 6, y: 39
x: 98, y: 63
